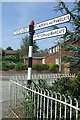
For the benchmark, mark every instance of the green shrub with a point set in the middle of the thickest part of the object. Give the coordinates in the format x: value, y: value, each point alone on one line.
x: 21, y: 66
x: 0, y: 65
x: 53, y: 67
x: 9, y: 58
x: 4, y: 66
x: 7, y: 66
x: 40, y: 67
x: 18, y: 66
x: 24, y: 66
x: 44, y: 66
x: 0, y: 58
x: 36, y: 67
x: 21, y: 60
x: 50, y: 67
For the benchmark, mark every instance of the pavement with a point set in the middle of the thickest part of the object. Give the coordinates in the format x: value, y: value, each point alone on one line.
x: 4, y: 94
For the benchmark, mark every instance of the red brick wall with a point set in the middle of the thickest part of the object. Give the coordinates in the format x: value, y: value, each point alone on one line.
x: 51, y: 58
x: 34, y: 61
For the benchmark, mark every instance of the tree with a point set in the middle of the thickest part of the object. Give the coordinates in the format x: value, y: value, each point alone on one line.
x: 24, y: 46
x: 74, y: 35
x: 9, y: 48
x: 35, y: 47
x: 45, y: 50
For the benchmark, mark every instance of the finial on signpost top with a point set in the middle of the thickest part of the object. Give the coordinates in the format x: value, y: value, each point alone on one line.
x: 31, y: 28
x: 32, y: 22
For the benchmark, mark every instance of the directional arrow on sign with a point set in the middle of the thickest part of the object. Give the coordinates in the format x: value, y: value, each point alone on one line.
x: 48, y: 23
x: 52, y: 33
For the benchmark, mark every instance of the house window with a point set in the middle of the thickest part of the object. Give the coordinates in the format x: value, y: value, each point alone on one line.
x: 54, y: 50
x: 57, y: 61
x: 43, y: 61
x: 57, y: 48
x: 50, y: 50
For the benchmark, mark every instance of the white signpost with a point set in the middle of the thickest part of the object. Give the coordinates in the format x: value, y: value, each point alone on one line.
x: 48, y: 23
x: 51, y: 33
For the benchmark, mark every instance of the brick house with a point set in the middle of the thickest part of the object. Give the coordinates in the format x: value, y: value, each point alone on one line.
x: 38, y: 58
x: 55, y: 55
x: 10, y: 52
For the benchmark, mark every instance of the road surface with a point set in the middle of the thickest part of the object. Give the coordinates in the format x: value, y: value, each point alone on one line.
x: 4, y: 94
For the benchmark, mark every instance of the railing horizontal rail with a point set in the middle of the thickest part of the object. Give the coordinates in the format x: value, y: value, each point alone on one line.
x: 62, y: 102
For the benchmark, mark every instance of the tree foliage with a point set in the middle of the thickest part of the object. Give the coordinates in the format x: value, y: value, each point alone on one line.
x: 74, y: 34
x: 24, y: 47
x: 9, y: 48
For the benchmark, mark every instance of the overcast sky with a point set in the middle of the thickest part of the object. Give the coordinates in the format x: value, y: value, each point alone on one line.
x: 19, y: 14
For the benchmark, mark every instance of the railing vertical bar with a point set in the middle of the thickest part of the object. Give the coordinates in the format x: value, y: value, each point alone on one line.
x: 47, y: 103
x: 76, y: 109
x: 37, y: 104
x: 44, y: 107
x: 10, y: 93
x: 14, y: 97
x: 70, y: 107
x: 40, y: 104
x: 34, y: 104
x: 60, y: 105
x: 51, y: 105
x: 65, y: 107
x: 32, y: 97
x: 55, y: 105
x: 16, y: 91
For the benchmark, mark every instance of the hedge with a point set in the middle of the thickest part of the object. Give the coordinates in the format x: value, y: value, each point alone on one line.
x: 7, y: 66
x: 53, y: 67
x: 50, y: 67
x: 21, y: 66
x: 9, y: 58
x: 40, y: 67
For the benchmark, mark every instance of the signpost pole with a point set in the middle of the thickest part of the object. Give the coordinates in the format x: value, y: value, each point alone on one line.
x: 31, y: 32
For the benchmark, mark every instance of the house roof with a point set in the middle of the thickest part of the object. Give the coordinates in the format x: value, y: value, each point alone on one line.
x: 38, y: 55
x: 10, y: 52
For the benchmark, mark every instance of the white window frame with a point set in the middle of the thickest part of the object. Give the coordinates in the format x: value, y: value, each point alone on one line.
x: 53, y: 49
x: 43, y: 61
x: 57, y: 48
x: 50, y: 50
x: 57, y: 61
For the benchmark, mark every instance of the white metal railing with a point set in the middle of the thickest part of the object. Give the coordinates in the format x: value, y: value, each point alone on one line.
x: 50, y: 78
x: 43, y: 103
